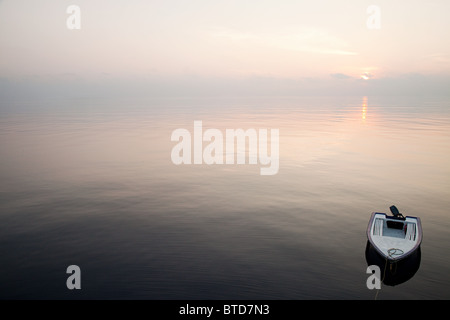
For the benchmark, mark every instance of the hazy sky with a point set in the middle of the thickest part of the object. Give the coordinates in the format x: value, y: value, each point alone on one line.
x: 229, y: 43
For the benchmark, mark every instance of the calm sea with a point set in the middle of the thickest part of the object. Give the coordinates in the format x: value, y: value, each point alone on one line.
x: 91, y: 183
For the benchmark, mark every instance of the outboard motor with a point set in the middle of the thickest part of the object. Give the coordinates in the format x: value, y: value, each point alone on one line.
x: 396, y: 213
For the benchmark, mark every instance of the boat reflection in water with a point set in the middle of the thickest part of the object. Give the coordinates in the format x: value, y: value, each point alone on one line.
x: 397, y: 272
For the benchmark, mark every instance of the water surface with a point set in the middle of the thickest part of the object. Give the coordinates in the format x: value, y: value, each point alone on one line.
x: 91, y: 183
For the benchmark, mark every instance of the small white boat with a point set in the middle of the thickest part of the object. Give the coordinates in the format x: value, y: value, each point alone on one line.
x: 394, y: 237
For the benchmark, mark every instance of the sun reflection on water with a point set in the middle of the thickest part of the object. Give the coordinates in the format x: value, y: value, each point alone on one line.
x: 364, y: 109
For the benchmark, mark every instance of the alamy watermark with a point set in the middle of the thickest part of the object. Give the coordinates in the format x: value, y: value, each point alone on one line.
x: 73, y: 22
x: 374, y: 280
x: 190, y: 149
x: 74, y: 280
x: 374, y: 20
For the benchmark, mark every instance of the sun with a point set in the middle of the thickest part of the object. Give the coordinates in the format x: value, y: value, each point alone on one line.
x: 366, y: 76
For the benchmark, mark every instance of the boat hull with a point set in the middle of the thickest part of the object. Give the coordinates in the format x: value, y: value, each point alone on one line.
x: 394, y: 272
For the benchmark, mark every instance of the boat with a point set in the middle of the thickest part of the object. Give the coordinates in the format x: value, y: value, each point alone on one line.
x: 394, y: 237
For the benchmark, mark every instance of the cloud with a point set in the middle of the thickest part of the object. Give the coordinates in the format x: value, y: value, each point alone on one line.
x: 440, y: 58
x: 300, y: 39
x: 154, y: 86
x: 340, y: 76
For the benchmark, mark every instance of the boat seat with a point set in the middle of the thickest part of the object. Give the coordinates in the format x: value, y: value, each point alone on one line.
x: 378, y: 227
x: 410, y: 231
